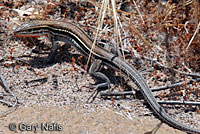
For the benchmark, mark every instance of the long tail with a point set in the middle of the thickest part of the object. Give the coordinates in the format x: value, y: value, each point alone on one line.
x: 135, y: 76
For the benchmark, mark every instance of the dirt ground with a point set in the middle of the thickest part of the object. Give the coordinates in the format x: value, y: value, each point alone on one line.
x: 73, y: 121
x: 52, y: 97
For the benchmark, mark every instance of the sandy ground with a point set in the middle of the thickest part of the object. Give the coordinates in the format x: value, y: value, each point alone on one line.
x: 68, y: 119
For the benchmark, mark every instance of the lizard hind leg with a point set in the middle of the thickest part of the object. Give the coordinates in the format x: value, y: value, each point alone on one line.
x: 103, y: 81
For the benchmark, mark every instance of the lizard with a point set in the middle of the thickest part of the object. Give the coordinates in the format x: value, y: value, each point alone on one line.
x: 76, y: 36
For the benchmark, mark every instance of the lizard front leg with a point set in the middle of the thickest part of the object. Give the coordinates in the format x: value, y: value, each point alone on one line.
x: 52, y: 54
x: 103, y: 81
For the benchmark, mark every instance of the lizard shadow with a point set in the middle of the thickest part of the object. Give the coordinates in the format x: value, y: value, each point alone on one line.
x: 40, y: 59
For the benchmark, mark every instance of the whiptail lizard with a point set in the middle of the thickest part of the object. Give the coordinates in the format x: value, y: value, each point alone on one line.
x: 74, y: 35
